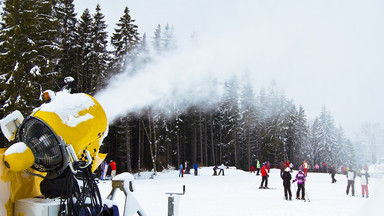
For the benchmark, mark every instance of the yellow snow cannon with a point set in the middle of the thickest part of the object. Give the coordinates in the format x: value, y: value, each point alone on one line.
x: 70, y: 127
x: 67, y: 128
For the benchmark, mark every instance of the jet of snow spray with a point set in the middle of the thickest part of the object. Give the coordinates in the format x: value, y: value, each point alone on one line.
x: 187, y: 76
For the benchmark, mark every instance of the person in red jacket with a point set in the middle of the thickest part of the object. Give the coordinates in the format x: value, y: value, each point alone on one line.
x: 112, y: 164
x: 264, y: 177
x: 253, y: 169
x: 287, y: 164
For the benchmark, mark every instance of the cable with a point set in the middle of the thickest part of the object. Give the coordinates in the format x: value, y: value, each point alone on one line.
x: 86, y: 201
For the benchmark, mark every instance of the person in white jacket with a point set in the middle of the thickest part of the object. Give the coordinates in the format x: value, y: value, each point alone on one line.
x: 222, y: 167
x: 351, y: 175
x: 364, y: 183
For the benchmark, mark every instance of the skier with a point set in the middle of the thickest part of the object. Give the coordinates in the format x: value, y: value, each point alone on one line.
x: 187, y: 168
x: 268, y: 166
x: 351, y: 175
x: 181, y: 172
x: 112, y: 164
x: 287, y: 183
x: 104, y: 168
x: 215, y: 170
x: 291, y: 167
x: 252, y: 169
x: 325, y: 170
x: 300, y: 178
x: 264, y: 177
x: 344, y: 168
x: 317, y: 167
x: 332, y: 171
x: 195, y: 167
x: 257, y: 167
x: 305, y: 166
x: 364, y: 182
x: 287, y: 164
x: 222, y: 167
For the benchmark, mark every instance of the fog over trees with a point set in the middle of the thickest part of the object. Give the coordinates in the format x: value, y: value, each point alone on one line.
x: 41, y: 42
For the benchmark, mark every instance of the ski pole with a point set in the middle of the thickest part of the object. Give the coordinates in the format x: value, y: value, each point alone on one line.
x: 306, y: 193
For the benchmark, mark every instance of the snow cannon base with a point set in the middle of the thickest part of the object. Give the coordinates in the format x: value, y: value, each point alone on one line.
x: 37, y: 206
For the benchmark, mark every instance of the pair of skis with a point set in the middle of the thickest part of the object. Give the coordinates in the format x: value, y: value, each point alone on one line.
x: 267, y: 188
x: 305, y: 200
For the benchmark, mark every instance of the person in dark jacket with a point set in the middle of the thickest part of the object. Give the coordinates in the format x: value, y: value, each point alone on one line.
x: 195, y: 167
x: 300, y: 178
x: 264, y: 177
x: 215, y: 170
x: 287, y: 183
x: 332, y: 171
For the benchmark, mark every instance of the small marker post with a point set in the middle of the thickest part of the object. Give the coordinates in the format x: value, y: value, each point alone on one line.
x: 173, y: 202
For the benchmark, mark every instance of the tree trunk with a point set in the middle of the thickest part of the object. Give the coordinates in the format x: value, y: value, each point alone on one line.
x: 178, y: 149
x: 201, y: 139
x: 212, y: 143
x: 139, y: 148
x: 151, y: 140
x: 128, y: 148
x: 249, y: 149
x: 205, y: 140
x: 236, y: 147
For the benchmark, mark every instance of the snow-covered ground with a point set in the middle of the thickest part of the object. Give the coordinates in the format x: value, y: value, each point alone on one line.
x: 237, y: 193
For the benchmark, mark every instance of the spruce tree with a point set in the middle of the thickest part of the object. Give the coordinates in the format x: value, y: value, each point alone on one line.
x: 168, y: 39
x: 156, y: 39
x: 229, y: 116
x: 46, y: 44
x: 25, y: 64
x: 124, y: 41
x: 99, y: 54
x: 247, y: 126
x: 67, y: 41
x: 83, y: 52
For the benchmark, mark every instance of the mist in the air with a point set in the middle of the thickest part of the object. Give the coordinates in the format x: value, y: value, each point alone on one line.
x: 321, y: 53
x: 186, y: 76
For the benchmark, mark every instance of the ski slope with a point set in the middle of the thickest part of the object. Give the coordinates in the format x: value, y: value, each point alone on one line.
x: 237, y: 193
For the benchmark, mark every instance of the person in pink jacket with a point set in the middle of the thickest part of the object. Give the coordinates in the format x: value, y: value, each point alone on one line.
x: 364, y: 182
x: 300, y: 178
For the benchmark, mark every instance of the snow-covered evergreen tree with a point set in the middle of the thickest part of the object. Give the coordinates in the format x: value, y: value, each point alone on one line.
x: 302, y: 136
x: 26, y: 42
x: 156, y: 39
x: 67, y: 41
x: 324, y: 139
x: 99, y: 54
x: 168, y: 39
x: 229, y: 116
x: 124, y: 40
x: 83, y: 52
x: 247, y: 126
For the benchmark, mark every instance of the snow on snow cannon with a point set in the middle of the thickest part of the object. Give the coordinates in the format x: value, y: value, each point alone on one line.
x: 66, y: 130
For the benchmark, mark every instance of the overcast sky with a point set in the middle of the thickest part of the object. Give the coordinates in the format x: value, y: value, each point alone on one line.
x: 321, y: 53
